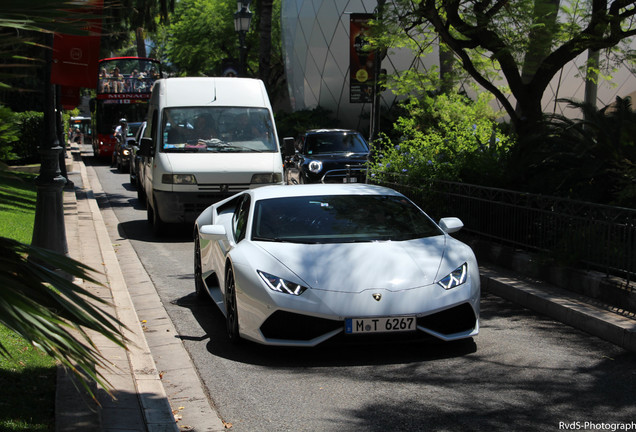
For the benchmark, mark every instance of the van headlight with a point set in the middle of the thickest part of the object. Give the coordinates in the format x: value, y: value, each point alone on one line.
x: 267, y: 178
x: 183, y: 179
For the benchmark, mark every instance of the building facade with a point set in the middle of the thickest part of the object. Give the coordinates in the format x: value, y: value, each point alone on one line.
x: 316, y: 46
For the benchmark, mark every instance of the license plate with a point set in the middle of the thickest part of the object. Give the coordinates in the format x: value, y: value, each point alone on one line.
x: 380, y: 325
x: 350, y: 180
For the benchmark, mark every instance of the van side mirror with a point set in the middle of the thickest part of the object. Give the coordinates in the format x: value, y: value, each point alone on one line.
x: 146, y: 147
x: 288, y: 146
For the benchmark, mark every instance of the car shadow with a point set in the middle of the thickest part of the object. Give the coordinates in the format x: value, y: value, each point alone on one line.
x: 140, y: 230
x: 339, y: 351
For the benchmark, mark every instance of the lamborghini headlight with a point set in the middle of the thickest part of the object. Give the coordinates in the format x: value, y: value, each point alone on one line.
x: 455, y: 278
x: 281, y: 285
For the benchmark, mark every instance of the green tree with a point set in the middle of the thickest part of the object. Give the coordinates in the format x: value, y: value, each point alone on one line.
x: 443, y: 137
x: 592, y: 158
x: 201, y: 36
x: 132, y: 19
x: 500, y: 34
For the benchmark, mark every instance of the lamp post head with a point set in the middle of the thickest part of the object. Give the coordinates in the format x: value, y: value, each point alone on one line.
x: 242, y: 17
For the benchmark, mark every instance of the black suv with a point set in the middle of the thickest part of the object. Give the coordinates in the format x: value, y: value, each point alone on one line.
x: 326, y: 156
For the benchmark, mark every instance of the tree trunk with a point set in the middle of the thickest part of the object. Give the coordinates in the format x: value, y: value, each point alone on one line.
x: 446, y: 63
x: 265, y: 49
x: 541, y: 37
x: 141, y: 43
x: 591, y: 77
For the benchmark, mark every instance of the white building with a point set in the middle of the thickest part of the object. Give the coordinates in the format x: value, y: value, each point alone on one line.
x: 316, y: 49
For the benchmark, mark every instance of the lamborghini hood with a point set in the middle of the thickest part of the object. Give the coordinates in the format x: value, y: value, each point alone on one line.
x: 355, y: 267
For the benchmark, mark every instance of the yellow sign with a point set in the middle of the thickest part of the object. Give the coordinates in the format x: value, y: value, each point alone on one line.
x: 362, y: 75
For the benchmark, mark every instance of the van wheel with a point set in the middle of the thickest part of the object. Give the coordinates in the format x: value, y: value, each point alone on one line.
x: 156, y: 224
x: 141, y: 196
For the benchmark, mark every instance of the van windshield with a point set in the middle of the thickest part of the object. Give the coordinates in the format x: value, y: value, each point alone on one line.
x: 217, y: 129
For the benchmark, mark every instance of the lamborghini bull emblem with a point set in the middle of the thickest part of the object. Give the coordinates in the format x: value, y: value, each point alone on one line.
x: 377, y: 296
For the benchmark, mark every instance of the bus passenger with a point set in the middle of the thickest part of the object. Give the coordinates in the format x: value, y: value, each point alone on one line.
x: 117, y: 81
x: 104, y: 84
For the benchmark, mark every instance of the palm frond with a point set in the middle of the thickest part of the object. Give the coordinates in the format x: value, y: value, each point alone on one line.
x: 45, y: 307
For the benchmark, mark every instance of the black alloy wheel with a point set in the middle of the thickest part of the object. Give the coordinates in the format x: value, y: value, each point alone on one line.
x: 231, y: 313
x: 198, y: 272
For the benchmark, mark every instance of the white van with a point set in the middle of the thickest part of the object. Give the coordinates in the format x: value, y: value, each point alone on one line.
x: 206, y: 139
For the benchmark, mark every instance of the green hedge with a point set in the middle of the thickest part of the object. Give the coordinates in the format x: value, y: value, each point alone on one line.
x: 8, y: 134
x: 20, y: 136
x: 30, y: 130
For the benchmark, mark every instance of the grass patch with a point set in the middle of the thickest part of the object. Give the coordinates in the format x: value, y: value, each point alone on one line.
x: 27, y: 377
x: 27, y: 380
x: 17, y: 205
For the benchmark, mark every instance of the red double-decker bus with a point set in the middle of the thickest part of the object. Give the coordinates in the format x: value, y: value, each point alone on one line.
x: 123, y: 91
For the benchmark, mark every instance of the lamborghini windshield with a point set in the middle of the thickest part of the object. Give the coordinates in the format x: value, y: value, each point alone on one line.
x: 340, y: 219
x: 217, y: 129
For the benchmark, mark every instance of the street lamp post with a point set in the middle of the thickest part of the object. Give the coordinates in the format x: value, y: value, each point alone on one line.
x: 242, y: 19
x: 49, y: 231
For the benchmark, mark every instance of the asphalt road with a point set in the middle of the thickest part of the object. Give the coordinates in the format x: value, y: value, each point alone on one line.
x: 523, y: 371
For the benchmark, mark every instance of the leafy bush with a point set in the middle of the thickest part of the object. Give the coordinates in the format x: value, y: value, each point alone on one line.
x: 445, y: 137
x: 30, y: 126
x: 8, y: 134
x: 592, y: 158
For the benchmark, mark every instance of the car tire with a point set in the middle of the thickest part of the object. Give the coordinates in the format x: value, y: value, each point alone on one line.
x: 199, y: 288
x: 156, y: 224
x: 231, y: 312
x: 141, y: 196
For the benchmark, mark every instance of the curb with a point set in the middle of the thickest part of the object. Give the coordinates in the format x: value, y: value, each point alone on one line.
x: 132, y: 373
x: 162, y: 349
x: 565, y: 306
x: 152, y: 396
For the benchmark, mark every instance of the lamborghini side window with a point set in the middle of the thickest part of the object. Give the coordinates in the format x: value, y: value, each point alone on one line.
x: 239, y: 220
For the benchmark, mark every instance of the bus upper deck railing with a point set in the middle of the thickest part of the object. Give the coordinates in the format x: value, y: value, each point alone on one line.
x: 125, y: 84
x: 127, y: 75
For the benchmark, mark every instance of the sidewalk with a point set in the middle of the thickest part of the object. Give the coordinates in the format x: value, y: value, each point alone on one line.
x: 143, y: 394
x: 176, y: 400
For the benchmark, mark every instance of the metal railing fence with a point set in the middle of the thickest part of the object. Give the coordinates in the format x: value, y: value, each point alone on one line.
x: 592, y: 236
